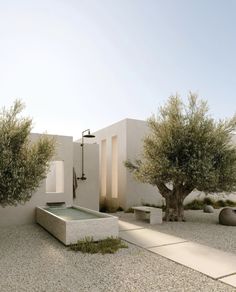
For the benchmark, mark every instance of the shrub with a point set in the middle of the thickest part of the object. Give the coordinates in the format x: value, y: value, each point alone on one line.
x: 105, y: 207
x: 208, y: 201
x: 220, y: 204
x: 194, y: 205
x: 108, y: 245
x: 119, y: 209
x: 199, y: 204
x: 230, y: 203
x: 129, y: 210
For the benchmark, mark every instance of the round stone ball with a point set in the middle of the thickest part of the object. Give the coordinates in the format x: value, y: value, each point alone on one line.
x: 208, y: 209
x: 227, y: 216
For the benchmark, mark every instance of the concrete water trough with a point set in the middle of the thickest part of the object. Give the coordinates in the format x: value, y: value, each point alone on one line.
x: 73, y: 223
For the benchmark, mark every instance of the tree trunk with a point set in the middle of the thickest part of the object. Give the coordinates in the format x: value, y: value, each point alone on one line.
x: 174, y: 199
x: 174, y: 206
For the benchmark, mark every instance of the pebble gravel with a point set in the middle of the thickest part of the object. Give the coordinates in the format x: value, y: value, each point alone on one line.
x: 32, y: 260
x: 200, y: 227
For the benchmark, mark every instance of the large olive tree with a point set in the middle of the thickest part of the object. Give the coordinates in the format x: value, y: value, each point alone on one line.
x: 23, y: 164
x: 186, y: 150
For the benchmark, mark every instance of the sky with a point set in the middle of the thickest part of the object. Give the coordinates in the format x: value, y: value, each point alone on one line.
x: 79, y: 64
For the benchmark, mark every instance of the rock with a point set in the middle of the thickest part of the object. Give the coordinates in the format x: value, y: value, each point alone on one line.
x: 208, y: 209
x: 227, y: 216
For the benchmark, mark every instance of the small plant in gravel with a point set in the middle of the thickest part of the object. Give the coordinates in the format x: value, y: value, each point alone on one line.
x: 129, y: 210
x: 108, y: 245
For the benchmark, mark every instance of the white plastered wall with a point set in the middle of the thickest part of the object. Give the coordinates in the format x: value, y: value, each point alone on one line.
x: 115, y: 132
x: 126, y: 138
x: 25, y: 214
x: 138, y: 193
x: 87, y: 192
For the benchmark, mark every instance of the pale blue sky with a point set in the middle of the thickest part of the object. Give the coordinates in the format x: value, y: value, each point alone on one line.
x: 87, y: 64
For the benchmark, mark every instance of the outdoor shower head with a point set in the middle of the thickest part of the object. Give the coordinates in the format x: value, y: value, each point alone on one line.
x: 89, y: 135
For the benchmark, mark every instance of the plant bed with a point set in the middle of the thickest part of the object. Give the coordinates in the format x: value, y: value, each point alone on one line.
x: 108, y: 245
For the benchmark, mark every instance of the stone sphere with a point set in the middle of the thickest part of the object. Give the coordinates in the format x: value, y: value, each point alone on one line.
x: 227, y: 216
x: 208, y: 209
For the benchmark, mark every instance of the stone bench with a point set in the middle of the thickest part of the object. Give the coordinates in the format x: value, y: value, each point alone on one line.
x: 154, y: 214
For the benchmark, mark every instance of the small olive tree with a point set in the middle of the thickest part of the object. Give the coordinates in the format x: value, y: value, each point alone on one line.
x: 186, y: 150
x: 23, y: 164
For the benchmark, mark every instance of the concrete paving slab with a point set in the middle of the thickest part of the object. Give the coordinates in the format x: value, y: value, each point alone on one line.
x: 123, y: 225
x: 210, y: 261
x: 147, y: 238
x: 231, y: 280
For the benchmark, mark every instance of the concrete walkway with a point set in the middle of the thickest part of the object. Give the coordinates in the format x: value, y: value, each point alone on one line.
x: 217, y: 264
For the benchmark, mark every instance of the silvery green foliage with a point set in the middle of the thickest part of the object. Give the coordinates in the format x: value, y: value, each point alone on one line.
x: 22, y: 164
x: 186, y: 150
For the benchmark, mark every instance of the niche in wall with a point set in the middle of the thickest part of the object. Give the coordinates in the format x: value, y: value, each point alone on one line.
x: 114, y: 168
x: 103, y: 168
x: 55, y: 177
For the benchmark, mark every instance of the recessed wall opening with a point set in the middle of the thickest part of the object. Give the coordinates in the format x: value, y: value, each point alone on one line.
x: 114, y: 170
x: 55, y: 177
x: 103, y: 168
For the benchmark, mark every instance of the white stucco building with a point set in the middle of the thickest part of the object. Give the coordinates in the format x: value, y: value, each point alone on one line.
x: 117, y: 143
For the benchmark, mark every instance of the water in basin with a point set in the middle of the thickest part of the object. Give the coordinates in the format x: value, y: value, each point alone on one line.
x: 71, y: 213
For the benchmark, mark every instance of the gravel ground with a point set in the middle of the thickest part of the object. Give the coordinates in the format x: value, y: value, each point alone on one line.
x: 32, y: 260
x: 199, y: 227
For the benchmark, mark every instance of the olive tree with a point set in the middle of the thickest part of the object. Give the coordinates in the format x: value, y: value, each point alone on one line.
x: 186, y: 150
x: 23, y: 164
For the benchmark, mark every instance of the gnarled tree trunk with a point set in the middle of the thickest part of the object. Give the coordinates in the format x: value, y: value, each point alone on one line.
x: 174, y: 206
x: 174, y: 201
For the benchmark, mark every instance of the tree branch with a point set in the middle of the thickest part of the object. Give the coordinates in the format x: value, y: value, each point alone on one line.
x: 165, y: 192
